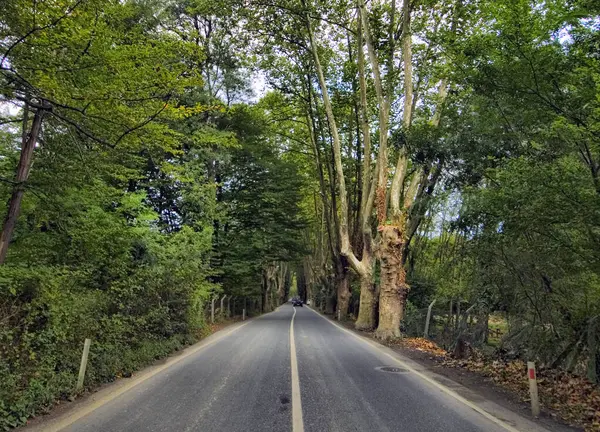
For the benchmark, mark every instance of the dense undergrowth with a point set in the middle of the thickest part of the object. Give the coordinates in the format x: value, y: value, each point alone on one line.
x: 143, y: 314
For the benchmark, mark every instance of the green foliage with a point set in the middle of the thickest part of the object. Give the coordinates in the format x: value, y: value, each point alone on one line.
x: 154, y: 187
x: 137, y: 293
x: 522, y: 140
x: 538, y: 249
x: 140, y: 175
x: 261, y: 197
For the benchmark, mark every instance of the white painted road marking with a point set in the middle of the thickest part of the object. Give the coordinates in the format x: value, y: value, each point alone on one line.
x: 62, y: 423
x: 297, y: 422
x: 424, y: 377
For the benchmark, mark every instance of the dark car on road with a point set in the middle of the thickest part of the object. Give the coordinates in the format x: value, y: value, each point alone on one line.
x: 297, y: 302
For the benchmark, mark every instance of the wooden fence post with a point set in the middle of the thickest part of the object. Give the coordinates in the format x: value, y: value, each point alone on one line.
x: 457, y: 322
x: 83, y: 365
x: 212, y: 310
x: 222, y: 301
x: 426, y: 332
x: 533, y: 390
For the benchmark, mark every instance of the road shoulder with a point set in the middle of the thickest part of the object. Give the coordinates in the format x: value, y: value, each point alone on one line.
x: 473, y: 388
x: 66, y: 412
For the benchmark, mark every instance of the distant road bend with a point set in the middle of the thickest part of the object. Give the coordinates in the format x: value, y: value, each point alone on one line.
x: 289, y: 370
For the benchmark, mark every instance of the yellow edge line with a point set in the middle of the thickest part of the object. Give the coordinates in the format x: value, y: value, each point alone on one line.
x: 297, y: 422
x: 61, y: 424
x: 425, y: 377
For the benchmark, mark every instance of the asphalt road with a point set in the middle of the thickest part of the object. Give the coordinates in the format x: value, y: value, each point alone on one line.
x: 244, y: 382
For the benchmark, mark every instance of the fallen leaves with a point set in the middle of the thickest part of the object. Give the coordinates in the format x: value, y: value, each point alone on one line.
x: 575, y: 399
x: 421, y: 344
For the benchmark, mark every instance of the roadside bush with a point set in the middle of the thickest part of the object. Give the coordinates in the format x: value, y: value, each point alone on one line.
x: 152, y: 309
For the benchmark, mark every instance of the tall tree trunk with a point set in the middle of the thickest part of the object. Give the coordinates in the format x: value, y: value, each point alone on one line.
x: 368, y: 304
x: 22, y: 174
x: 394, y: 237
x: 481, y: 331
x: 393, y: 287
x: 302, y: 282
x: 342, y: 282
x: 329, y: 303
x: 269, y: 283
x: 281, y: 280
x: 265, y: 292
x: 369, y: 297
x: 593, y: 360
x: 287, y: 283
x: 344, y: 238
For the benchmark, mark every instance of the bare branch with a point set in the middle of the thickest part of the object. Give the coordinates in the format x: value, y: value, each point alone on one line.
x: 81, y: 130
x: 142, y: 124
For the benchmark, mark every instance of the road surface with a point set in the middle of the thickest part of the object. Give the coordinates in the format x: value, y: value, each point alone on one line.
x: 290, y: 370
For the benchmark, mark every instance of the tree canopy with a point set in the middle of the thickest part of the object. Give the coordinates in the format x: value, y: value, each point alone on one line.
x: 400, y: 152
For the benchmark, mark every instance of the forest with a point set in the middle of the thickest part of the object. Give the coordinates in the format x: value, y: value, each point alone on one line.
x: 381, y: 159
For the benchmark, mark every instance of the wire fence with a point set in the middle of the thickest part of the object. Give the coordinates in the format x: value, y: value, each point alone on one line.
x: 452, y: 325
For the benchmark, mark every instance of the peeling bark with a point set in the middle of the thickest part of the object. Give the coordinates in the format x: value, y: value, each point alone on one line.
x: 343, y: 297
x: 393, y: 290
x: 342, y: 282
x: 367, y: 316
x: 269, y: 287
